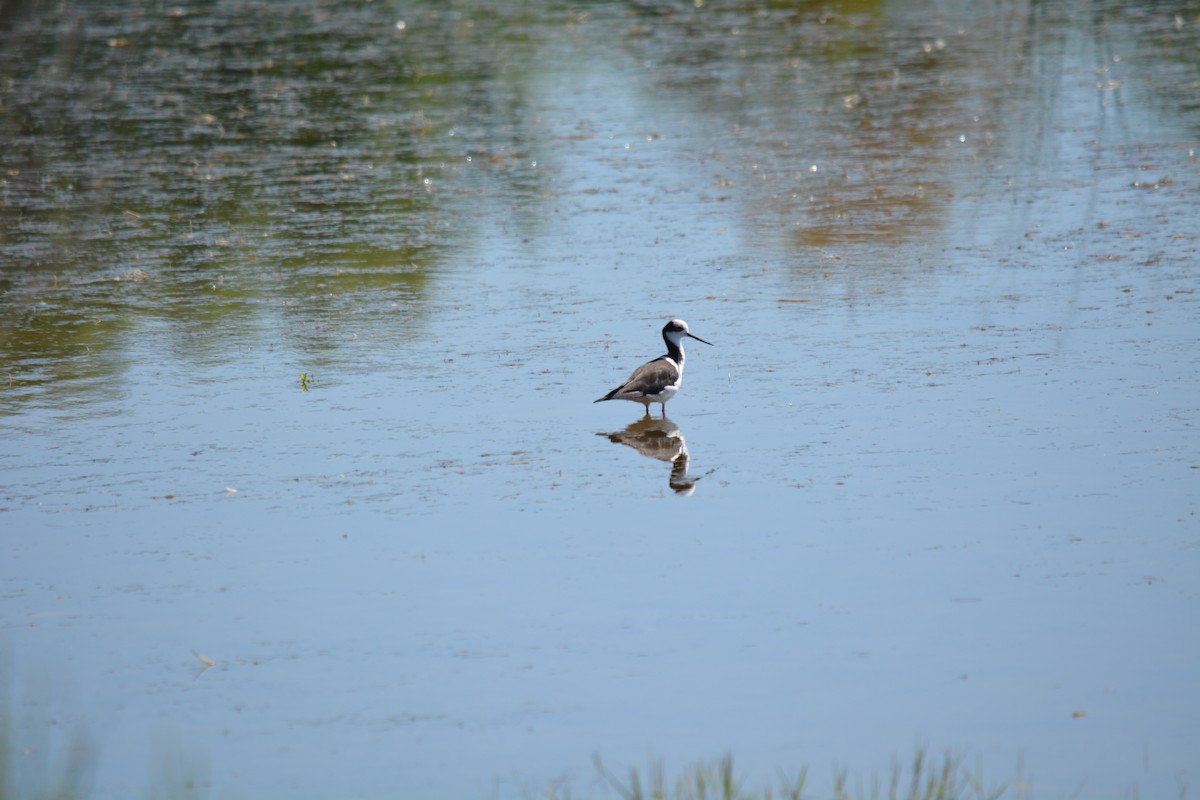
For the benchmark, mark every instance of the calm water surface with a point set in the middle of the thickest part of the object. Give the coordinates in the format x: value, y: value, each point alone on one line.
x: 935, y: 485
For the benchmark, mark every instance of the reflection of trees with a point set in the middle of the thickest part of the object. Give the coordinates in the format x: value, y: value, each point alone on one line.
x: 314, y: 160
x: 309, y: 159
x: 842, y: 117
x: 863, y: 120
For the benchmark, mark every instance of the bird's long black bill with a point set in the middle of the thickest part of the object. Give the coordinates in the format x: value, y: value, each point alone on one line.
x: 698, y: 339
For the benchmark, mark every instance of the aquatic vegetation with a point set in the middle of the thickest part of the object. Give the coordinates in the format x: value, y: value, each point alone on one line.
x: 925, y: 778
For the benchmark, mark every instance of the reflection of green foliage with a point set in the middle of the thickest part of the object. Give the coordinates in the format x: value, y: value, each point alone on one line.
x: 38, y: 761
x: 246, y: 156
x: 860, y: 121
x: 64, y: 344
x: 242, y: 155
x: 28, y: 772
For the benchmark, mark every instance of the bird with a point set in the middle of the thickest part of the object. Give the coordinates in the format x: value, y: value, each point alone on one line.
x: 661, y: 439
x: 657, y: 381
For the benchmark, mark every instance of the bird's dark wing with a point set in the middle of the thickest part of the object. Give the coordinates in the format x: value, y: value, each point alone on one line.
x: 649, y: 378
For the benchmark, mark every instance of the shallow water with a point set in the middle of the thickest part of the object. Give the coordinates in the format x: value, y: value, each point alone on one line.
x: 940, y: 485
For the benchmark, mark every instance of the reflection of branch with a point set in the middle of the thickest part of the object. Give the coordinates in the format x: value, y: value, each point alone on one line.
x: 206, y: 661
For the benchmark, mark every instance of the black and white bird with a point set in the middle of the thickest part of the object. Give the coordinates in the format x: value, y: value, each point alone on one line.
x: 657, y: 381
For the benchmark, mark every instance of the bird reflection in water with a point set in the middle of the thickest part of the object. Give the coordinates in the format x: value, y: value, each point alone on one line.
x: 661, y: 439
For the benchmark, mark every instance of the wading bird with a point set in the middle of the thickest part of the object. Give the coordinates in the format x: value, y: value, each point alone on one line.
x: 657, y: 381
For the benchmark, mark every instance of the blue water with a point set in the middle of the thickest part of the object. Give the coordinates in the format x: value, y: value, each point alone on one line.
x: 941, y: 479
